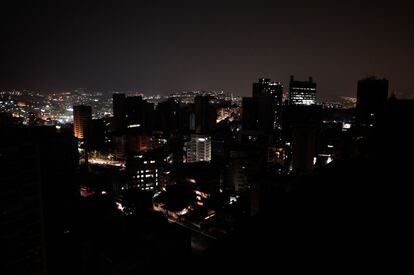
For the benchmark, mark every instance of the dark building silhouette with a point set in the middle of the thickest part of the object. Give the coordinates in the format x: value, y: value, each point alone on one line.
x: 263, y: 112
x: 23, y: 243
x: 167, y: 116
x: 133, y: 141
x: 135, y: 115
x: 303, y: 147
x: 140, y: 114
x: 205, y: 115
x: 269, y: 95
x: 266, y: 86
x: 372, y: 97
x: 82, y: 115
x: 132, y: 112
x: 95, y: 138
x: 119, y: 112
x: 393, y: 140
x: 184, y: 122
x: 302, y: 92
x: 131, y: 240
x: 136, y: 142
x: 134, y: 120
x: 268, y: 113
x: 38, y: 193
x: 119, y: 143
x: 302, y: 126
x: 249, y: 114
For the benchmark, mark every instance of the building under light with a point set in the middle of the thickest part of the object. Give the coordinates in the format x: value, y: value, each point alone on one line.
x: 302, y: 92
x: 198, y: 149
x: 82, y: 115
x: 143, y: 173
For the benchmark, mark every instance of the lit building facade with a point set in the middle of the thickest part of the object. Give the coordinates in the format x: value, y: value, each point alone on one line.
x: 266, y: 86
x: 302, y: 92
x: 82, y: 116
x: 143, y: 173
x: 199, y: 149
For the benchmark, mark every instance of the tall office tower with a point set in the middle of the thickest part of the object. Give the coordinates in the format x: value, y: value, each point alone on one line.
x: 205, y: 114
x: 270, y: 96
x: 372, y: 97
x: 119, y: 112
x: 263, y: 112
x: 82, y: 115
x: 302, y: 92
x: 198, y: 148
x: 167, y: 116
x: 139, y: 114
x: 36, y: 210
x: 266, y: 86
x: 135, y: 112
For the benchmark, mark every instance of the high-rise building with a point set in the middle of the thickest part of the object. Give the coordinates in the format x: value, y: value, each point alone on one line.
x: 263, y: 111
x: 135, y: 112
x: 372, y: 97
x: 302, y: 125
x: 198, y: 148
x: 302, y: 92
x: 205, y: 114
x: 266, y: 86
x: 35, y: 210
x: 270, y: 95
x: 82, y: 115
x: 132, y: 112
x: 140, y: 114
x: 119, y: 112
x: 22, y: 213
x: 167, y: 116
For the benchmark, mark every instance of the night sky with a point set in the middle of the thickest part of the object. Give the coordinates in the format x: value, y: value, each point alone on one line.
x: 163, y: 46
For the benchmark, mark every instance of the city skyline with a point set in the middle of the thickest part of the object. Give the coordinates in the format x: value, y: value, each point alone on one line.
x: 185, y: 136
x: 198, y: 179
x: 158, y: 48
